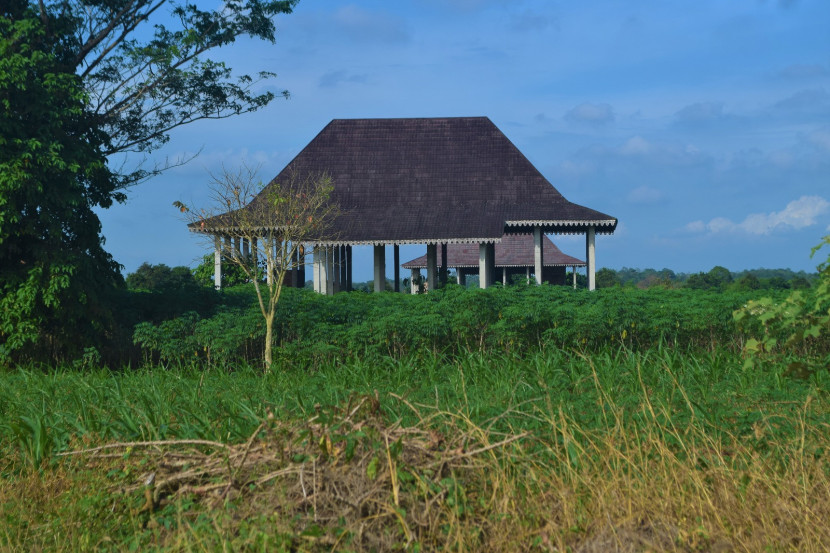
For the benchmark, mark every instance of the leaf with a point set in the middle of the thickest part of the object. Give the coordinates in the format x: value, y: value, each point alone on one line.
x: 372, y: 468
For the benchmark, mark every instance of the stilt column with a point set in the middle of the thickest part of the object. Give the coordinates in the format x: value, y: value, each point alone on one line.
x: 217, y: 262
x: 538, y: 254
x: 442, y: 273
x: 414, y: 280
x: 348, y: 268
x: 432, y: 263
x: 590, y: 257
x: 320, y: 270
x: 486, y: 264
x: 380, y: 268
x: 396, y: 255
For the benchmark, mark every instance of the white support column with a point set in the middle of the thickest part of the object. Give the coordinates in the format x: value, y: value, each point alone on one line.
x: 504, y: 276
x: 486, y: 265
x: 217, y: 262
x: 320, y: 276
x: 414, y: 280
x: 315, y: 271
x: 590, y: 257
x: 380, y: 268
x: 335, y: 273
x: 574, y: 273
x: 330, y: 271
x: 527, y: 270
x: 432, y: 266
x: 538, y: 256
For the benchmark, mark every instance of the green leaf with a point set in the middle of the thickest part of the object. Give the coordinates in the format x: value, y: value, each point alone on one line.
x: 372, y: 468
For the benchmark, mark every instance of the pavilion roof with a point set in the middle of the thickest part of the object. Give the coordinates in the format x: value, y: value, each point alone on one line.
x: 431, y: 180
x: 514, y: 250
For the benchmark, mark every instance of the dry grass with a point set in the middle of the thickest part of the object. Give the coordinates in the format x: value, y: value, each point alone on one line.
x: 348, y: 480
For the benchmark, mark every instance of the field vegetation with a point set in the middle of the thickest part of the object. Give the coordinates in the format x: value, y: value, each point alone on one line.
x: 510, y: 419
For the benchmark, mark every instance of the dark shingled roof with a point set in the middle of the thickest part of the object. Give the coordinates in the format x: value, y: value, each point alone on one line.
x: 434, y: 180
x: 514, y: 250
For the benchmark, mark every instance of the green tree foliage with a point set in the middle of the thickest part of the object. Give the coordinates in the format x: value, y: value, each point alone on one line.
x: 747, y: 282
x: 232, y: 274
x: 144, y: 68
x: 160, y: 277
x: 312, y: 328
x: 81, y: 81
x: 716, y: 279
x: 54, y: 273
x: 607, y: 278
x: 800, y: 324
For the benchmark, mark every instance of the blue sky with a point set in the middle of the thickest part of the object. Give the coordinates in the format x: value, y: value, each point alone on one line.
x: 704, y: 127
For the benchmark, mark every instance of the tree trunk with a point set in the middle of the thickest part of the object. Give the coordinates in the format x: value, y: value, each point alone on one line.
x: 269, y: 329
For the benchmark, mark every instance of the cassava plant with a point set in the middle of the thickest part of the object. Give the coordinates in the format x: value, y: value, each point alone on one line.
x: 266, y: 229
x: 799, y: 324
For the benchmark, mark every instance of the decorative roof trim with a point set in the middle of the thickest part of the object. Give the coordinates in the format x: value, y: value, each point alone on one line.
x: 476, y: 266
x: 418, y: 241
x: 564, y: 223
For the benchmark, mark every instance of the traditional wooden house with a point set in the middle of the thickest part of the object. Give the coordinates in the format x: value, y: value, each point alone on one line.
x: 514, y: 257
x: 432, y: 181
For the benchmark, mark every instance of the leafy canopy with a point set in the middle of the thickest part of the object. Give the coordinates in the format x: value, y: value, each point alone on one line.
x: 52, y: 173
x: 144, y: 68
x: 80, y: 82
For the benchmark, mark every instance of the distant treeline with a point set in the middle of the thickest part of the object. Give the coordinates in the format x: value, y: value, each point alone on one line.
x: 718, y: 278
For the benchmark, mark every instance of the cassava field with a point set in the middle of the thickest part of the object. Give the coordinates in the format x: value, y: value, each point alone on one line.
x: 515, y: 419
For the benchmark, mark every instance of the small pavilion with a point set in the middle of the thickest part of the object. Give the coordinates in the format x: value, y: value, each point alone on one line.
x: 432, y: 181
x: 513, y: 258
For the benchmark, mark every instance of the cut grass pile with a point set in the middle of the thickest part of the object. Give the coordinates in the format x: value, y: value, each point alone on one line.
x: 550, y: 452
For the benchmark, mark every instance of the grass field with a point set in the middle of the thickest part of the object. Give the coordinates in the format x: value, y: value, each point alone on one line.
x: 547, y: 451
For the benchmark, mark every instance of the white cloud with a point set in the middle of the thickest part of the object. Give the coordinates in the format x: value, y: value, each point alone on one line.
x: 701, y: 112
x: 634, y: 146
x: 695, y: 226
x: 591, y: 114
x: 798, y: 214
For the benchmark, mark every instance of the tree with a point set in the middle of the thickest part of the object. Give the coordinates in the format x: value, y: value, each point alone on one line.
x: 719, y: 276
x: 267, y: 229
x: 607, y: 278
x: 160, y: 277
x: 231, y: 275
x: 747, y: 282
x: 799, y: 324
x: 140, y: 89
x: 54, y: 273
x: 81, y: 81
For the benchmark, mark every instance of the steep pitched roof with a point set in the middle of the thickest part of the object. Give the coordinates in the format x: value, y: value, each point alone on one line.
x: 431, y: 180
x: 514, y: 250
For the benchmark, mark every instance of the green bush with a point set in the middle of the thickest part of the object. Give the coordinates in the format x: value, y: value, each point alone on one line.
x: 311, y: 328
x: 798, y: 324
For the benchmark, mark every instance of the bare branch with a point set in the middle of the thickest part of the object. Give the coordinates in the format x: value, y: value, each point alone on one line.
x: 276, y: 221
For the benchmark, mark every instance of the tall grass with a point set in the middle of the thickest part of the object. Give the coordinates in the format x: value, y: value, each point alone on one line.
x: 617, y: 450
x: 153, y: 404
